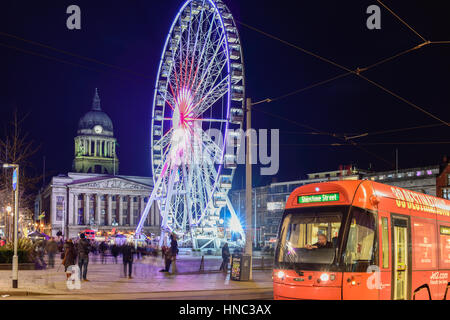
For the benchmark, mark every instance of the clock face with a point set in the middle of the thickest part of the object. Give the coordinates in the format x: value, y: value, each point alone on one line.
x: 98, y: 129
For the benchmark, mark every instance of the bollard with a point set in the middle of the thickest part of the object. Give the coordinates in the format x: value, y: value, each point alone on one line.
x: 202, y: 264
x: 262, y: 263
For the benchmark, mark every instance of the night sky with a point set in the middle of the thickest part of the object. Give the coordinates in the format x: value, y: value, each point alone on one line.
x: 131, y: 34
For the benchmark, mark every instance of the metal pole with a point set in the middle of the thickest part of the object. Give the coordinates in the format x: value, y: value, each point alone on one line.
x: 248, y: 188
x: 254, y: 208
x: 15, y: 270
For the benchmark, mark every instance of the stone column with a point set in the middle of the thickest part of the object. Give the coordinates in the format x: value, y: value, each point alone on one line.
x: 152, y: 215
x: 157, y: 216
x: 74, y: 215
x: 141, y: 208
x: 130, y: 210
x: 69, y: 215
x: 86, y: 208
x: 109, y: 209
x: 119, y: 198
x: 98, y: 213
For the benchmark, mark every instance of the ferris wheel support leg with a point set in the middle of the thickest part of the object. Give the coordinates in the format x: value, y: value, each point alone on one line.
x: 150, y: 201
x: 187, y: 186
x: 164, y: 226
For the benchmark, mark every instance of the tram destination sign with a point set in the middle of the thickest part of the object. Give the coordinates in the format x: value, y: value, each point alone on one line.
x: 326, y: 197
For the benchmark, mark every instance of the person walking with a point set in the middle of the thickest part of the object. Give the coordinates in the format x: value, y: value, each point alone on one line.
x: 115, y: 252
x: 102, y: 248
x: 171, y: 254
x: 69, y: 256
x: 83, y: 248
x: 39, y: 251
x: 51, y: 248
x: 127, y: 256
x: 225, y: 258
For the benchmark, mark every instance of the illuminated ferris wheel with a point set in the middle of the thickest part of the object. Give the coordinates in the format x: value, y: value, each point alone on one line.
x: 198, y: 109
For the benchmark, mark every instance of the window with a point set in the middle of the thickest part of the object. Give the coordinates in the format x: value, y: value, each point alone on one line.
x: 385, y: 242
x: 446, y: 193
x: 359, y: 253
x: 299, y: 231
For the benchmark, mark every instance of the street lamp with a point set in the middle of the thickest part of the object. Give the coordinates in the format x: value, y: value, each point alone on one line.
x: 15, y: 184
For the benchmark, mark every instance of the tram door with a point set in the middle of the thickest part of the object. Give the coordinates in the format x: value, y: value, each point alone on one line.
x: 400, y: 258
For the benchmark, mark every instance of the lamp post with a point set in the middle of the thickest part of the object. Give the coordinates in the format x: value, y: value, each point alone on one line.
x: 15, y: 184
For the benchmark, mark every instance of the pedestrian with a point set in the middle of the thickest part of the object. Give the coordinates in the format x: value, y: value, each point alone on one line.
x: 115, y: 252
x: 127, y: 256
x: 39, y: 251
x: 83, y: 248
x: 51, y: 248
x: 225, y: 257
x: 69, y: 256
x: 102, y: 248
x: 170, y: 253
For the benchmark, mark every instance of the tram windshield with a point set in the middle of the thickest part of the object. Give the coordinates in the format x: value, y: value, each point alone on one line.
x: 310, y: 236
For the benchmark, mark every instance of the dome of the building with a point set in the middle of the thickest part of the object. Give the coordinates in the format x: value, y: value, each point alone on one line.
x: 95, y: 117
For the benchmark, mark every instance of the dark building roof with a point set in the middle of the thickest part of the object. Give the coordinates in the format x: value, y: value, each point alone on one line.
x: 95, y: 117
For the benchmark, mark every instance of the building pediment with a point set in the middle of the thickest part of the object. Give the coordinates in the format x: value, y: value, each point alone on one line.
x: 111, y: 183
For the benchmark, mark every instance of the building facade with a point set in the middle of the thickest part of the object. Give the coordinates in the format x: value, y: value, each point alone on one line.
x: 75, y: 202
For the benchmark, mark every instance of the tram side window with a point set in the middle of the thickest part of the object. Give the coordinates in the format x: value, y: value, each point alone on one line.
x: 359, y: 253
x: 385, y: 242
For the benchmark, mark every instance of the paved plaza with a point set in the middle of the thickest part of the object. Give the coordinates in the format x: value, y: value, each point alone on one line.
x: 107, y: 281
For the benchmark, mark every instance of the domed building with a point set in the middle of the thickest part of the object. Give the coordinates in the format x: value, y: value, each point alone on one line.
x: 95, y: 145
x: 95, y: 197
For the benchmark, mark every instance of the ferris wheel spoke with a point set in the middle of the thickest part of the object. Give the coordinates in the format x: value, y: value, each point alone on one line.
x: 214, y: 89
x: 210, y: 98
x: 207, y: 61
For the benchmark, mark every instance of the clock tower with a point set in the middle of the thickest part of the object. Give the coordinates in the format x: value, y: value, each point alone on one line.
x: 95, y: 145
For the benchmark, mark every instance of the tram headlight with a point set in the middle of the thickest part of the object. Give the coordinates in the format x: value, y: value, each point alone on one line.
x: 324, y: 277
x: 281, y: 275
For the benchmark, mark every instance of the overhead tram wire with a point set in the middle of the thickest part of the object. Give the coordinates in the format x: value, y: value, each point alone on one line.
x: 349, y: 136
x: 363, y: 144
x: 357, y: 72
x: 401, y: 20
x: 327, y: 133
x: 35, y: 43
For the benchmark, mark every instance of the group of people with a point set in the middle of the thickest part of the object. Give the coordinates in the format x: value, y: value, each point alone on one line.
x: 50, y: 247
x: 79, y: 252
